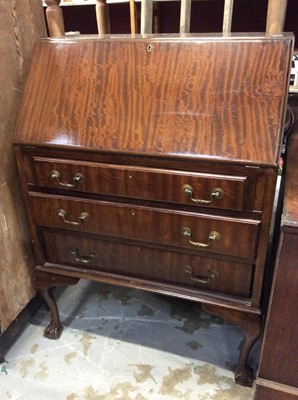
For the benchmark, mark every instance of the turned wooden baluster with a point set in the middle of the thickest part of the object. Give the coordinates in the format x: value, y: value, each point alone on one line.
x: 103, y: 19
x: 133, y: 17
x: 227, y: 17
x: 102, y: 16
x: 55, y: 18
x: 147, y: 16
x: 185, y: 11
x: 276, y: 14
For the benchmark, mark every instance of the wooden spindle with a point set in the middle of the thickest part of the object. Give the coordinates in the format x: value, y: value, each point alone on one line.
x: 146, y: 16
x: 102, y: 16
x: 276, y: 15
x: 156, y: 25
x: 55, y: 19
x: 227, y: 17
x: 185, y: 11
x: 133, y: 16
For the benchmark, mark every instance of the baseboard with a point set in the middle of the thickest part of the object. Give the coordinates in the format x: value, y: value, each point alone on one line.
x: 268, y: 390
x: 9, y: 336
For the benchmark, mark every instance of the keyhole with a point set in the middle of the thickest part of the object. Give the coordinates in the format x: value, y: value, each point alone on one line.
x: 130, y: 175
x: 149, y: 48
x: 133, y: 211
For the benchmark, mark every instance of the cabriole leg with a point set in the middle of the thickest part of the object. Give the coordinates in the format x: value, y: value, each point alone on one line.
x: 43, y: 282
x: 251, y: 327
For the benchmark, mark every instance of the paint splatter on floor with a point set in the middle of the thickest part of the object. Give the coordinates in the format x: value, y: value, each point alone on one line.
x: 124, y: 344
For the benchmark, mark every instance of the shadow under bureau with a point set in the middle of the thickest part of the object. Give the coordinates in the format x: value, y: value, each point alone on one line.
x: 151, y: 162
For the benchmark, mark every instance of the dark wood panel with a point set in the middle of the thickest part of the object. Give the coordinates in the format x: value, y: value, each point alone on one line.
x: 280, y: 354
x: 290, y: 212
x: 111, y: 95
x: 144, y: 183
x: 237, y: 237
x: 153, y: 264
x: 279, y: 358
x: 277, y: 376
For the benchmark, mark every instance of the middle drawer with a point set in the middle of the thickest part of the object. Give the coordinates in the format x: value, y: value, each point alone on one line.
x: 229, y: 236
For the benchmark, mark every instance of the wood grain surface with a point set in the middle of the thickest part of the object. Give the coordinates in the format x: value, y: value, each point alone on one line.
x: 232, y: 278
x: 277, y: 375
x: 209, y: 98
x: 156, y: 225
x: 143, y: 183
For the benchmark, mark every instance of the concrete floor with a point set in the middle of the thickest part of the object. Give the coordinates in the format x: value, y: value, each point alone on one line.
x: 125, y: 344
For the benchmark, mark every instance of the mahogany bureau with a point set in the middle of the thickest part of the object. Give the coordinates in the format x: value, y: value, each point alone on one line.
x: 151, y: 162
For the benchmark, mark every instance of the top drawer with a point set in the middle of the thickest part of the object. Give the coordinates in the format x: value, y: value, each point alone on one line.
x: 173, y: 186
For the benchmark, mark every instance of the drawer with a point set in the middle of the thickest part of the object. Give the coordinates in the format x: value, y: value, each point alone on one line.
x: 152, y: 264
x: 199, y: 232
x: 199, y: 189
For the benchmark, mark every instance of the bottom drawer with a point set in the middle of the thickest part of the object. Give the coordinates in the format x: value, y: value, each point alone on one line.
x: 152, y: 264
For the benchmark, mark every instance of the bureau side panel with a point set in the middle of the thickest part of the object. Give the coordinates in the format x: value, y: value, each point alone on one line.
x: 279, y: 358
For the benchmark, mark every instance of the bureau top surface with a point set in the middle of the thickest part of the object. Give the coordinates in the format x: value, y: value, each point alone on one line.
x: 176, y: 96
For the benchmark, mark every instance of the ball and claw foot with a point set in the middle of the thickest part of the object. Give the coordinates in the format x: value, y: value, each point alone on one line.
x: 244, y: 376
x: 43, y: 282
x: 53, y: 331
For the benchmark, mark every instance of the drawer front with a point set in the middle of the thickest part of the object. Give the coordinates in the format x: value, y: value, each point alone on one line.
x: 229, y: 236
x: 141, y: 262
x: 199, y: 189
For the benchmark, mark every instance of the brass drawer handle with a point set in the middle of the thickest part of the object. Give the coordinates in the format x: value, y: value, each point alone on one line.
x: 76, y: 179
x: 212, y: 236
x: 200, y: 279
x: 83, y: 217
x: 216, y: 193
x: 82, y: 259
